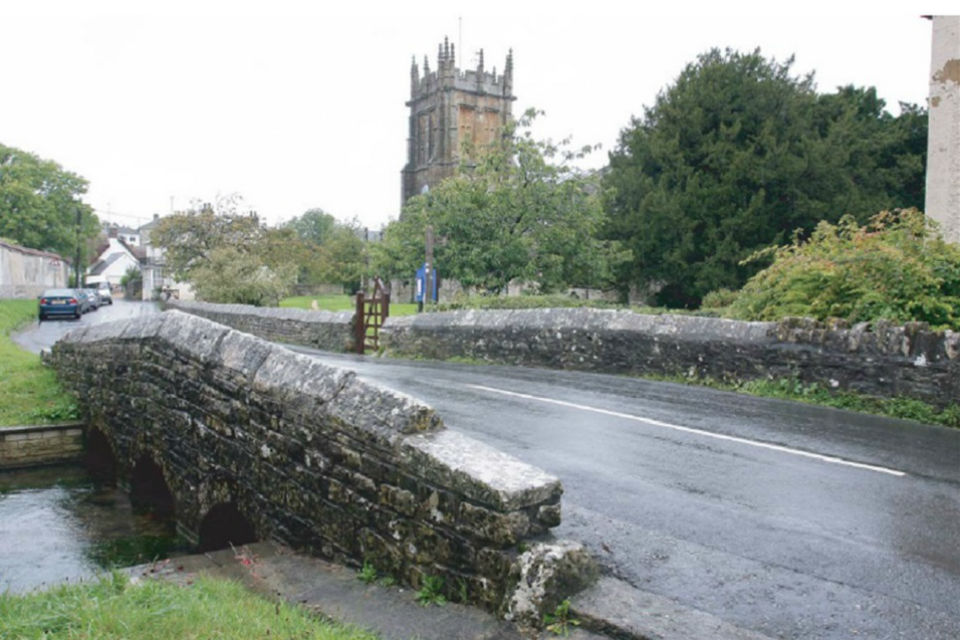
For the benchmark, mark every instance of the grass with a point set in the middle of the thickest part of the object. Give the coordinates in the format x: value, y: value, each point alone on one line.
x: 332, y: 302
x: 29, y: 392
x: 114, y: 608
x: 813, y: 393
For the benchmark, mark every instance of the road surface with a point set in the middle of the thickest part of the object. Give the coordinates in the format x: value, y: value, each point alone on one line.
x: 791, y: 520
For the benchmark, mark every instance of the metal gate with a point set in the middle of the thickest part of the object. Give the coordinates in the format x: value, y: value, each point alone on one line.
x: 371, y: 313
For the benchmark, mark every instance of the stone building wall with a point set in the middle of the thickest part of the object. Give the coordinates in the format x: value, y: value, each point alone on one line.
x: 25, y: 273
x: 329, y: 330
x: 906, y: 360
x: 309, y: 454
x: 39, y: 445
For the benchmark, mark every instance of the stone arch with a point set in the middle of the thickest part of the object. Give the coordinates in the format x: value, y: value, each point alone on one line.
x: 99, y: 457
x: 149, y: 489
x: 224, y: 525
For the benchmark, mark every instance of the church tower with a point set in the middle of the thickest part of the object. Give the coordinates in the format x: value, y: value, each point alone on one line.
x: 449, y: 108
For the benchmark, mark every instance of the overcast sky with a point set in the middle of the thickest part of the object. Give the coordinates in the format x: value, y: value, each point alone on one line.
x: 294, y: 105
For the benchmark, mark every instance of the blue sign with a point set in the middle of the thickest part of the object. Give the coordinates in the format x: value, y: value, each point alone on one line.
x: 422, y: 283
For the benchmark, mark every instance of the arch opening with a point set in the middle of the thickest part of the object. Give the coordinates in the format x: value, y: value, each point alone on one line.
x: 223, y: 526
x: 99, y: 459
x: 149, y: 491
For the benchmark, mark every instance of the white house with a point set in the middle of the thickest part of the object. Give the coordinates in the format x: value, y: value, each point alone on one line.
x: 158, y: 282
x: 114, y: 261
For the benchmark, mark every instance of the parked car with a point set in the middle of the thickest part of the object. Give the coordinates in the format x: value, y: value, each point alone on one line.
x: 84, y: 300
x: 95, y: 301
x: 59, y: 302
x: 106, y: 297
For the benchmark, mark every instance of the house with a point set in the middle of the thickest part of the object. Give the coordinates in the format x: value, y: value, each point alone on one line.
x: 113, y: 260
x: 157, y: 281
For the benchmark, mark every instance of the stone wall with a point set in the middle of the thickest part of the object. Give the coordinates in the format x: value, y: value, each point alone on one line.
x: 309, y: 454
x: 32, y: 446
x: 329, y: 330
x: 888, y: 360
x: 25, y: 273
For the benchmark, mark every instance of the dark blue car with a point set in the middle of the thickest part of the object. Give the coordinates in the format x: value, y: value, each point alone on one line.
x: 60, y: 302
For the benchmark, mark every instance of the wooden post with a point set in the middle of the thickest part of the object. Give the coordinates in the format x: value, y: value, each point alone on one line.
x: 359, y: 324
x: 428, y: 280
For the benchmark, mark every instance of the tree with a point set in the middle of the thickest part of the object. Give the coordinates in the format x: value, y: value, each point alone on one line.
x: 518, y: 210
x: 739, y: 153
x: 40, y: 202
x: 228, y: 255
x: 230, y: 275
x: 337, y: 251
x: 188, y: 238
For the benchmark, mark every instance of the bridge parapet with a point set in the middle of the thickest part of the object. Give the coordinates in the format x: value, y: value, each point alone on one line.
x: 311, y: 455
x: 329, y: 330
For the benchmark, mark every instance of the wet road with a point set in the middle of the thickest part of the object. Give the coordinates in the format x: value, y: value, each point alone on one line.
x: 795, y: 521
x: 42, y: 335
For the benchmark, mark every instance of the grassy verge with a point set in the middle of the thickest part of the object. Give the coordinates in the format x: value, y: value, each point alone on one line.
x: 342, y: 303
x: 29, y: 392
x: 113, y: 608
x: 813, y: 393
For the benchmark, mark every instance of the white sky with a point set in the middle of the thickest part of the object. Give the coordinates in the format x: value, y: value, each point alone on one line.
x: 295, y: 105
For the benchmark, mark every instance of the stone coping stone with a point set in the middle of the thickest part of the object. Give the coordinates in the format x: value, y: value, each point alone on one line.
x: 589, y: 320
x: 481, y: 472
x: 35, y: 428
x: 280, y: 313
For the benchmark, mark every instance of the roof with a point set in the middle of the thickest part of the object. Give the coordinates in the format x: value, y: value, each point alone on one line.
x: 102, y: 265
x: 31, y: 252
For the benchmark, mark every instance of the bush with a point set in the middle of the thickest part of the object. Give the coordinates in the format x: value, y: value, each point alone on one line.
x: 718, y: 299
x: 896, y: 268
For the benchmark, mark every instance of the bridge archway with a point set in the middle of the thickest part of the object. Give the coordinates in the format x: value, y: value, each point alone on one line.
x: 99, y: 458
x: 149, y: 490
x: 224, y: 525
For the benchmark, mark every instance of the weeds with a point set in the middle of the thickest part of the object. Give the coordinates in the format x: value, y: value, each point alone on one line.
x: 560, y: 621
x: 367, y: 574
x: 431, y: 592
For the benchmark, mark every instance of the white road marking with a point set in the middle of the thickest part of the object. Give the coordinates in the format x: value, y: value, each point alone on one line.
x: 699, y: 432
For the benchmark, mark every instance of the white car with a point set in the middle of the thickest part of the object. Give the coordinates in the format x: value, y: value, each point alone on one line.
x: 105, y: 296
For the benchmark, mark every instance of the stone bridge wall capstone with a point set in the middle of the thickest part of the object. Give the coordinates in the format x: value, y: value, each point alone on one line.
x: 328, y: 330
x: 309, y: 454
x: 906, y: 360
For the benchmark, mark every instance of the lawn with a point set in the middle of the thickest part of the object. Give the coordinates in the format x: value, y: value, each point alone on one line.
x: 332, y: 302
x: 115, y: 608
x: 29, y: 391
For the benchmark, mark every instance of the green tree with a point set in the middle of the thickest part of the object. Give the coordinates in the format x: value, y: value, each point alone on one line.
x: 188, y: 238
x: 736, y: 155
x: 518, y: 210
x: 229, y: 255
x: 336, y: 251
x: 39, y: 204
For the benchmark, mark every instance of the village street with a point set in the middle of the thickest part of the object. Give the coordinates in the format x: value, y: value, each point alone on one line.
x: 791, y: 520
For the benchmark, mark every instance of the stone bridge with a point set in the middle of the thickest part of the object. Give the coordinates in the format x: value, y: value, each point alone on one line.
x: 245, y: 440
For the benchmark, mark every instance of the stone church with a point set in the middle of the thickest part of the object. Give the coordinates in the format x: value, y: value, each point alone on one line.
x: 449, y: 108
